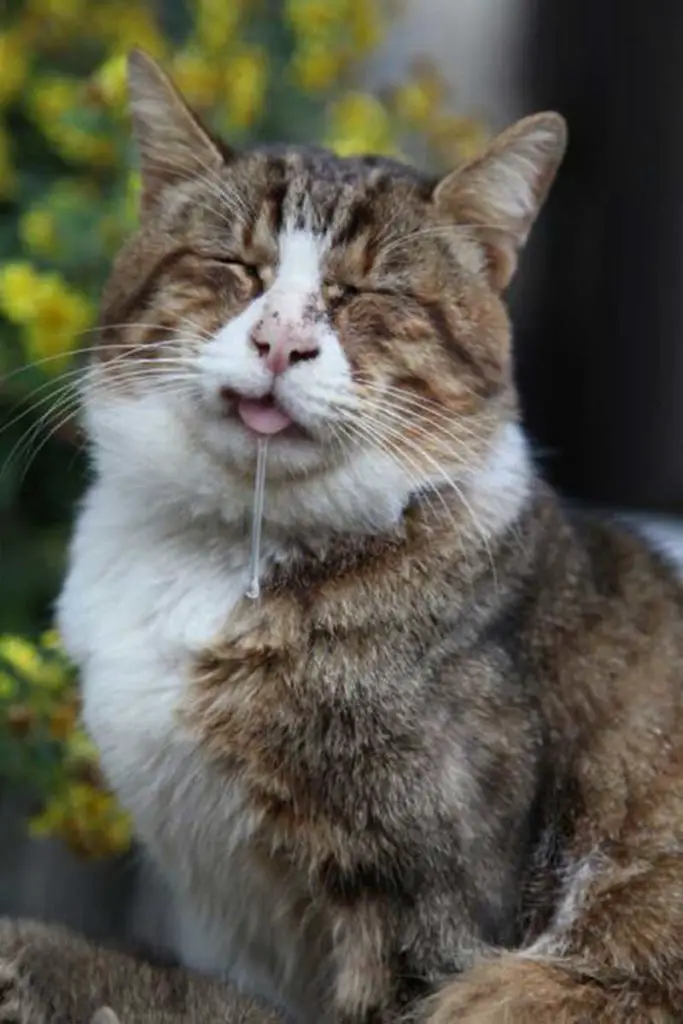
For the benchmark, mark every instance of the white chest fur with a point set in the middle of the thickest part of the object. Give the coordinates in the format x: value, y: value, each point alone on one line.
x: 139, y: 603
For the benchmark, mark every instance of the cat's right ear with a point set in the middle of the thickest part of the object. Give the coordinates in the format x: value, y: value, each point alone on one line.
x: 500, y: 193
x: 172, y: 143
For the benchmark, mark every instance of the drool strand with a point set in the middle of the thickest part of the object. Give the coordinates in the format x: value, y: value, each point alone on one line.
x: 253, y: 590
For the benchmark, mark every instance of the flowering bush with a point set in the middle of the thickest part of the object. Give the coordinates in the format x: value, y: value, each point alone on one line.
x: 254, y: 69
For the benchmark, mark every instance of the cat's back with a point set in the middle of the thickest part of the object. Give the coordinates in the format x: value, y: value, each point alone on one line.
x: 603, y: 646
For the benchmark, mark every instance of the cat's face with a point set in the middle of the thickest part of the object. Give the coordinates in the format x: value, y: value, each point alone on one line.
x: 347, y: 310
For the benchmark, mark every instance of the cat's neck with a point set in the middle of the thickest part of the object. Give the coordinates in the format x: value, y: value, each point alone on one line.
x: 317, y: 513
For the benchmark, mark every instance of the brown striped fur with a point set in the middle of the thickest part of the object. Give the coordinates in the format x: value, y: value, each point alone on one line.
x: 462, y: 737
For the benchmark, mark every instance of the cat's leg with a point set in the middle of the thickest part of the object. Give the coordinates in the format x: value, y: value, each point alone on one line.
x: 49, y: 975
x: 614, y: 954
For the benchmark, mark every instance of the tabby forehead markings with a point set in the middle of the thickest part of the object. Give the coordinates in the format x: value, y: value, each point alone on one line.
x: 299, y: 275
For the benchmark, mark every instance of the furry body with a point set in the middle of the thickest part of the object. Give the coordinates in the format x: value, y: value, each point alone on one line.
x: 452, y: 724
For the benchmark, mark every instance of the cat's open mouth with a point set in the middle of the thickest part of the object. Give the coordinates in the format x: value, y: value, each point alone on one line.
x: 263, y: 416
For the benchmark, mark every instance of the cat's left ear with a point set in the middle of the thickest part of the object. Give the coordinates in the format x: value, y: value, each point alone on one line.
x: 172, y: 143
x: 500, y: 193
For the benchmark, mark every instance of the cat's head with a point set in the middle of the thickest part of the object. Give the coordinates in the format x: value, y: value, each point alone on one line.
x: 350, y: 310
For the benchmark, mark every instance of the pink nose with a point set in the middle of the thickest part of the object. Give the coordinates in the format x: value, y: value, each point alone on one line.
x: 280, y: 354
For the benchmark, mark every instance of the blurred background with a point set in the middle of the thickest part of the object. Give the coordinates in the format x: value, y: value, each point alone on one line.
x: 598, y: 304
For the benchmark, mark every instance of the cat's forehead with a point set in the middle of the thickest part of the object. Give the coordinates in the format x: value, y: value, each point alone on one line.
x: 316, y: 164
x: 313, y: 183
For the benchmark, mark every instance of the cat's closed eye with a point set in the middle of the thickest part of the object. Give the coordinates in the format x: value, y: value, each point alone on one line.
x: 259, y: 277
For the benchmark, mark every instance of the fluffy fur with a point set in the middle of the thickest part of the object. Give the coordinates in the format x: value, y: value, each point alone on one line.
x: 436, y: 769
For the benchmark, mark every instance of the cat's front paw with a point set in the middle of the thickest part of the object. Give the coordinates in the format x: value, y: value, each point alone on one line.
x: 513, y: 989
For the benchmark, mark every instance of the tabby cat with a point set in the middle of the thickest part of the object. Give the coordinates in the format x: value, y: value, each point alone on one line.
x: 436, y: 770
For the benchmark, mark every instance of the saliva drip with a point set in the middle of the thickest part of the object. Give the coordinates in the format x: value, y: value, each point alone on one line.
x: 253, y: 590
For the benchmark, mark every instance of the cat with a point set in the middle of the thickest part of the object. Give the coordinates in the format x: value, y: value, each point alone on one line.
x: 435, y: 770
x: 48, y: 975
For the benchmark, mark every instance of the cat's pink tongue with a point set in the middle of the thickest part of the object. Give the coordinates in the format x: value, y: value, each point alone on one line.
x: 262, y: 417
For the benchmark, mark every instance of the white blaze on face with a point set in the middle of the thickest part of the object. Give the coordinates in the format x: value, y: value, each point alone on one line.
x: 282, y: 344
x: 298, y: 279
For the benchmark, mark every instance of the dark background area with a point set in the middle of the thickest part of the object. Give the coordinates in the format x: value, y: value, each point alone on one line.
x: 599, y: 307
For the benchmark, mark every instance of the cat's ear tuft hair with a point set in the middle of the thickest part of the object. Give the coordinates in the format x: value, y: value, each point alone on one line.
x: 172, y: 143
x: 500, y: 193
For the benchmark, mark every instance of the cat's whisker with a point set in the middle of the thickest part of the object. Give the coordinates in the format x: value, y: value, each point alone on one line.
x: 71, y: 391
x: 67, y: 400
x: 39, y: 447
x: 429, y: 414
x: 419, y: 480
x: 402, y: 439
x: 372, y: 384
x: 427, y: 428
x: 79, y: 351
x: 212, y: 180
x: 81, y: 372
x: 393, y: 389
x: 362, y: 432
x: 449, y: 231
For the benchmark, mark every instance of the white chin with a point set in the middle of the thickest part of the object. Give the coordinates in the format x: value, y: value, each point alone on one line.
x: 233, y: 444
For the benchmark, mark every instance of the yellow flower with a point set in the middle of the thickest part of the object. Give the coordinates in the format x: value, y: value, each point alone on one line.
x: 316, y: 68
x: 415, y: 102
x: 456, y: 138
x: 60, y: 317
x: 197, y: 78
x: 127, y: 26
x: 52, y: 314
x: 51, y: 640
x: 360, y: 124
x: 13, y: 65
x: 75, y: 143
x: 216, y: 23
x: 27, y: 661
x: 38, y: 231
x: 56, y: 10
x: 314, y: 18
x: 365, y: 26
x: 87, y: 819
x: 53, y: 96
x: 18, y: 285
x: 22, y: 656
x: 110, y: 81
x: 245, y: 82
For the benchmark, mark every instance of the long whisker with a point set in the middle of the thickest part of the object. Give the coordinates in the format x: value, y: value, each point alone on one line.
x: 70, y: 379
x: 125, y: 347
x: 438, y: 230
x: 425, y: 426
x: 215, y: 184
x: 375, y: 440
x: 68, y: 403
x: 384, y: 387
x: 448, y: 480
x: 415, y: 407
x: 401, y: 457
x: 27, y: 439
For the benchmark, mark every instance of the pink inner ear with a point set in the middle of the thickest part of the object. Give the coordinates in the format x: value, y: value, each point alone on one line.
x: 502, y: 263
